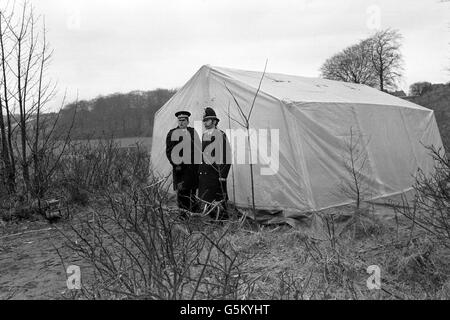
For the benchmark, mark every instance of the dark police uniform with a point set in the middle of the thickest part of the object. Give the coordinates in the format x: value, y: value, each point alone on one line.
x: 210, y: 186
x: 185, y: 175
x: 212, y: 174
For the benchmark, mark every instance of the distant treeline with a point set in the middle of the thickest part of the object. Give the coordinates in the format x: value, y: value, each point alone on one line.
x: 131, y: 114
x: 118, y: 115
x: 437, y: 98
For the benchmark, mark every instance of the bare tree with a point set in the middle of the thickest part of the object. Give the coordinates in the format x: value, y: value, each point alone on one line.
x: 353, y: 64
x: 24, y: 58
x: 419, y: 88
x: 245, y: 123
x: 355, y: 160
x: 7, y: 156
x: 375, y: 61
x: 354, y: 184
x: 28, y: 142
x: 386, y: 58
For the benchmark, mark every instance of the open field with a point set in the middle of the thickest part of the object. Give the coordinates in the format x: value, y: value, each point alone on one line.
x: 146, y: 142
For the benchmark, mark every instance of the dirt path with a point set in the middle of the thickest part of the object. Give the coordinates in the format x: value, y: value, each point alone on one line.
x: 30, y: 267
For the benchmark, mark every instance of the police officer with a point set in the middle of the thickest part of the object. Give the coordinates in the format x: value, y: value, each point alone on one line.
x: 216, y: 164
x: 180, y: 140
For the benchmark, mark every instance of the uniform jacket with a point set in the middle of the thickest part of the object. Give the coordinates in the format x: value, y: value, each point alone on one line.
x: 210, y: 187
x: 186, y: 178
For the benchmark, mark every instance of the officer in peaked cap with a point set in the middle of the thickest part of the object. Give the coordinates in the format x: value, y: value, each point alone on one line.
x: 185, y: 173
x: 182, y: 115
x: 214, y: 169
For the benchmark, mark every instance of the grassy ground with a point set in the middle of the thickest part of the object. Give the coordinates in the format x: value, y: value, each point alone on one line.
x: 285, y: 263
x: 293, y: 265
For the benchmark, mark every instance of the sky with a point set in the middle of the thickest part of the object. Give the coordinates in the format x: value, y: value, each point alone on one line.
x: 108, y: 46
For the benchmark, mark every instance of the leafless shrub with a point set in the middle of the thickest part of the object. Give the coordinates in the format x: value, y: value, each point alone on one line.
x: 140, y: 249
x: 433, y: 197
x: 429, y: 209
x: 422, y: 262
x: 88, y: 167
x: 355, y: 160
x: 354, y: 185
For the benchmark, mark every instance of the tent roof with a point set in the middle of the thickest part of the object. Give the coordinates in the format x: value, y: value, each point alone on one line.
x: 299, y: 90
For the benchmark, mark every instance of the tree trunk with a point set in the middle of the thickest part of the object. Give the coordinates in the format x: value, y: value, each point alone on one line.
x: 251, y: 175
x: 5, y: 154
x: 381, y: 71
x: 22, y: 120
x: 6, y: 135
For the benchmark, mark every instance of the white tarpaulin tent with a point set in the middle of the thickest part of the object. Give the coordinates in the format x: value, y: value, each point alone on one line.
x: 314, y: 117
